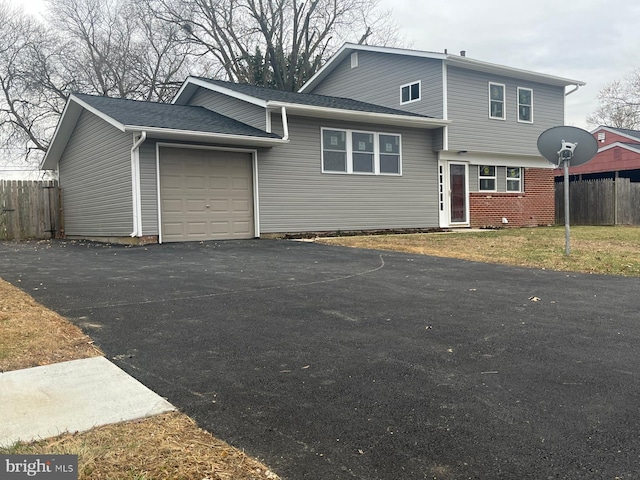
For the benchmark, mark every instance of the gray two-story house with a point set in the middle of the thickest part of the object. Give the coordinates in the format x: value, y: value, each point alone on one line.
x: 378, y: 139
x: 489, y: 169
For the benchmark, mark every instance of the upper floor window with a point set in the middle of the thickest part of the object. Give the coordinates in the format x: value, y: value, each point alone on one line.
x: 514, y: 179
x: 487, y: 178
x: 410, y: 92
x: 350, y: 151
x: 525, y: 105
x: 496, y: 101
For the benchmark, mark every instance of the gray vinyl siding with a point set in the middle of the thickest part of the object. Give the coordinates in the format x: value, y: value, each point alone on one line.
x: 231, y: 107
x: 295, y: 196
x: 473, y: 130
x: 378, y: 77
x: 95, y: 176
x: 149, y: 188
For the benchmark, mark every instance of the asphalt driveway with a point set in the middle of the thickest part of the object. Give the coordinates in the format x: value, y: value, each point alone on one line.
x: 335, y: 363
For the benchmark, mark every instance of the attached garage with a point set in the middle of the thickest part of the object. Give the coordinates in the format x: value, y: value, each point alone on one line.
x: 205, y: 195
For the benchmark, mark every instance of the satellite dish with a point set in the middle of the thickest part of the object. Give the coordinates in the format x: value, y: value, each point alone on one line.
x: 567, y: 143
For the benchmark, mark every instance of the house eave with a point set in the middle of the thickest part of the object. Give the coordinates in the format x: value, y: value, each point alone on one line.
x: 64, y: 129
x: 619, y: 145
x: 495, y: 69
x: 495, y: 159
x: 191, y: 84
x: 205, y: 137
x: 358, y: 116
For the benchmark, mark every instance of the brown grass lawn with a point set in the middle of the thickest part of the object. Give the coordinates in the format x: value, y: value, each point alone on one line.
x: 604, y: 250
x: 169, y: 446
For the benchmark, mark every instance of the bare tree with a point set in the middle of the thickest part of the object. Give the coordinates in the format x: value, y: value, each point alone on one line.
x: 113, y: 47
x: 619, y: 104
x: 119, y: 49
x: 29, y: 107
x: 279, y: 43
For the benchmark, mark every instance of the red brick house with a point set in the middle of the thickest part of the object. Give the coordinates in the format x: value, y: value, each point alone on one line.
x: 618, y: 156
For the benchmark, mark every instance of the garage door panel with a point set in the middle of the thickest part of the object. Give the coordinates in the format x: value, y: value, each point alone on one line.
x: 242, y: 228
x: 195, y: 183
x: 220, y: 206
x: 196, y: 206
x: 172, y: 206
x: 206, y: 194
x: 241, y: 206
x: 218, y: 183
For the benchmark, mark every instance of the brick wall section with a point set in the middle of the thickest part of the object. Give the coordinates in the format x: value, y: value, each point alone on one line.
x: 536, y: 206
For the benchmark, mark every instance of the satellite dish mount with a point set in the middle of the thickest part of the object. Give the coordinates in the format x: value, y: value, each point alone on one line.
x: 567, y: 145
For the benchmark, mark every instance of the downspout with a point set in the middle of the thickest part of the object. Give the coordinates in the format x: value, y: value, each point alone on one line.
x: 135, y: 184
x: 566, y: 94
x: 285, y: 123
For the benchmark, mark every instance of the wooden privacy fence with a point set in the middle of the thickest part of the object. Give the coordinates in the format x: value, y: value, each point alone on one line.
x: 30, y: 209
x: 600, y: 202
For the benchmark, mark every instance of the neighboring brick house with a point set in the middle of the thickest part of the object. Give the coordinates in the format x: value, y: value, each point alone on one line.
x: 618, y: 156
x: 379, y: 138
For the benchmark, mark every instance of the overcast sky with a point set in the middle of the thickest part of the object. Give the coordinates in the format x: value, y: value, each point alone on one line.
x: 595, y: 41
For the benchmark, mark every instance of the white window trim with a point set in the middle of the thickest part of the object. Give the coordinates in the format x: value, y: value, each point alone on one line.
x: 519, y: 179
x: 410, y: 84
x: 354, y: 59
x: 518, y: 106
x: 486, y: 177
x: 504, y: 101
x: 349, y: 148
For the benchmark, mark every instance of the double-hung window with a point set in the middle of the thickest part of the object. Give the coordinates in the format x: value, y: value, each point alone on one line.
x: 358, y: 152
x: 496, y: 101
x: 410, y: 92
x: 525, y: 105
x: 514, y: 179
x: 389, y: 153
x: 363, y: 154
x: 486, y: 178
x: 334, y: 150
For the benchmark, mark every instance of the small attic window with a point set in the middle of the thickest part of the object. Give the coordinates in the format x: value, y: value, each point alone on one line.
x: 354, y: 59
x: 601, y: 136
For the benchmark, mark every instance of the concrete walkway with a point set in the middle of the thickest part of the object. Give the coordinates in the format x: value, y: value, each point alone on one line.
x: 73, y: 396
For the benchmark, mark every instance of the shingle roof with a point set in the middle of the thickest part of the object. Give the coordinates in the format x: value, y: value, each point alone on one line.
x: 626, y: 131
x: 309, y: 99
x: 169, y: 116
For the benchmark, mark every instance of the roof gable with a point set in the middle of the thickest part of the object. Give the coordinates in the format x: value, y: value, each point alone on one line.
x: 625, y: 132
x: 263, y: 96
x: 160, y: 120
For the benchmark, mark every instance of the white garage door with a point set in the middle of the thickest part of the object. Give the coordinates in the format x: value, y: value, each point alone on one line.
x: 205, y: 195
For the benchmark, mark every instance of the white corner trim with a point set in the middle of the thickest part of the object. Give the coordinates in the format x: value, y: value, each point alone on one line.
x: 98, y: 113
x: 620, y: 145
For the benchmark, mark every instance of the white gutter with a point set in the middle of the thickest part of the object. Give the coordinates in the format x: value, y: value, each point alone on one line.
x: 175, y: 134
x: 572, y: 91
x: 357, y: 115
x: 135, y: 184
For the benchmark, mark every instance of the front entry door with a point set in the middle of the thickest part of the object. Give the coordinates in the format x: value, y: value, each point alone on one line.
x: 458, y: 208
